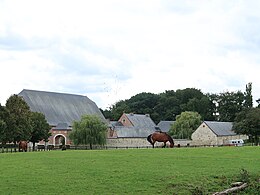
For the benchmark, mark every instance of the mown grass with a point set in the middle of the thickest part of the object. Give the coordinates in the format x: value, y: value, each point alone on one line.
x: 130, y: 171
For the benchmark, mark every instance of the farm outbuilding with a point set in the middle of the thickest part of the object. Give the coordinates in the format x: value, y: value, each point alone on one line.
x: 131, y: 130
x: 215, y: 133
x: 60, y: 110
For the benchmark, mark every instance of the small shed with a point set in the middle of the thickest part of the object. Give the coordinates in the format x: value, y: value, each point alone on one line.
x: 215, y: 133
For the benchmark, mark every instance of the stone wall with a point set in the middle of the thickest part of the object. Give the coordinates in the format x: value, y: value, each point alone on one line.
x: 203, y: 136
x: 224, y: 140
x: 140, y: 142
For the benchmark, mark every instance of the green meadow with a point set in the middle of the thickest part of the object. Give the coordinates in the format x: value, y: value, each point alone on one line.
x: 130, y: 171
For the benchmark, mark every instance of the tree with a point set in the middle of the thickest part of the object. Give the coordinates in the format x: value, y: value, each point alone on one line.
x: 229, y: 104
x: 2, y: 125
x: 248, y: 96
x: 118, y: 109
x: 89, y: 130
x: 258, y: 101
x: 18, y: 122
x: 186, y: 123
x: 248, y: 122
x: 166, y: 105
x: 40, y: 128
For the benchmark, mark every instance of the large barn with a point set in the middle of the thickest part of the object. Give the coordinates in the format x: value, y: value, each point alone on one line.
x: 60, y: 110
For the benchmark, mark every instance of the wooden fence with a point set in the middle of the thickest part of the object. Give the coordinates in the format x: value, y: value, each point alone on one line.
x: 13, y: 149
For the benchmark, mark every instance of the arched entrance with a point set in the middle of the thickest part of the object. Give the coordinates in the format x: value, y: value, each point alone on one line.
x: 57, y: 140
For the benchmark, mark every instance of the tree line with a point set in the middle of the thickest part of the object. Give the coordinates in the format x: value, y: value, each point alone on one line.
x: 169, y: 104
x: 18, y: 123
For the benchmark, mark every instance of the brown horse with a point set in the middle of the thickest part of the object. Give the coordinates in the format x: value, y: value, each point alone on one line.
x: 22, y: 145
x: 160, y: 136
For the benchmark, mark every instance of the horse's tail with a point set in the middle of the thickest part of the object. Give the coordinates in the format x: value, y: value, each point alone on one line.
x: 149, y: 139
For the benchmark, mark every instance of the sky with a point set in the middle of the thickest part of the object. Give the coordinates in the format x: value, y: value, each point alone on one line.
x: 111, y: 50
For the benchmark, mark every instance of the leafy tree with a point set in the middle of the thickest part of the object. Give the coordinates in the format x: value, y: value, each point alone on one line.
x: 143, y: 103
x: 258, y: 101
x: 248, y: 96
x: 168, y: 106
x: 2, y: 124
x: 89, y: 130
x: 2, y: 131
x: 18, y: 121
x: 165, y: 106
x: 118, y: 109
x: 40, y: 128
x: 248, y: 122
x: 229, y: 104
x: 186, y: 123
x: 107, y: 114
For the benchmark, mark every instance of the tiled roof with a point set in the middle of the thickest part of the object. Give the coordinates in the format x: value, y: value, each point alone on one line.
x: 60, y: 107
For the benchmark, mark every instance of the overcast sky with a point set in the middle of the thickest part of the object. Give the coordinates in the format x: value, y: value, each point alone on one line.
x: 111, y: 50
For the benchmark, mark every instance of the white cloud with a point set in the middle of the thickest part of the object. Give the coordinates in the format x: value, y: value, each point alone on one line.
x: 112, y: 50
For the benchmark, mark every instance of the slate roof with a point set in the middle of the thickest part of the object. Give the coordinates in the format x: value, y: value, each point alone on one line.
x: 221, y: 128
x: 116, y: 123
x: 60, y: 107
x: 62, y: 126
x: 141, y: 121
x: 143, y: 126
x: 165, y: 125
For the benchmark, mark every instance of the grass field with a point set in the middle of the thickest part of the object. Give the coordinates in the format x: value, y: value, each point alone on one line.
x: 130, y: 171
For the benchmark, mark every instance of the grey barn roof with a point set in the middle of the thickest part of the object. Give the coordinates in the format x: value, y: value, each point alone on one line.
x: 60, y: 107
x: 165, y: 125
x: 143, y: 126
x: 221, y: 128
x: 141, y: 121
x: 62, y: 126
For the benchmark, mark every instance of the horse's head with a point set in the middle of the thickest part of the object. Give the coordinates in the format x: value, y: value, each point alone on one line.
x: 171, y: 145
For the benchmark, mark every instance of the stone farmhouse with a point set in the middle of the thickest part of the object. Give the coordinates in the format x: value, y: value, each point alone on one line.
x: 215, y: 133
x: 60, y: 111
x: 131, y: 130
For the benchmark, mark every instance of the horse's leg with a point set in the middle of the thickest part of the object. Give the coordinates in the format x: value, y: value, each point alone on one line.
x: 164, y: 144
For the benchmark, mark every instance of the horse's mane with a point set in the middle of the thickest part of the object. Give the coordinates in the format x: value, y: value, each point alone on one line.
x: 170, y: 138
x: 149, y: 139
